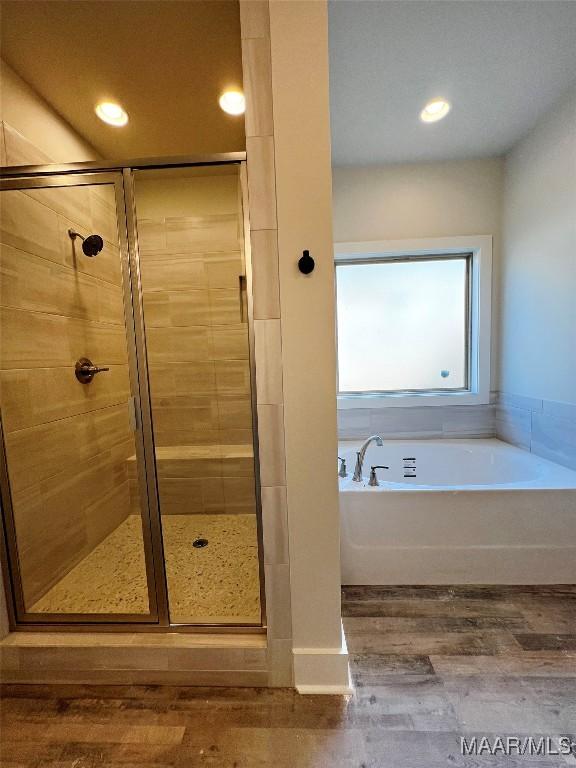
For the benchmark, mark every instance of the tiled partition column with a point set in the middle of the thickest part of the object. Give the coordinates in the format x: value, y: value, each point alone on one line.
x: 285, y: 60
x: 254, y: 17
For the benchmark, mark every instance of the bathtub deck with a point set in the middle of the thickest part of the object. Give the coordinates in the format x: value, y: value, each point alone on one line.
x: 429, y: 664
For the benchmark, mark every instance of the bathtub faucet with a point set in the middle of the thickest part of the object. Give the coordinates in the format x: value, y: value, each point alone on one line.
x: 360, y: 456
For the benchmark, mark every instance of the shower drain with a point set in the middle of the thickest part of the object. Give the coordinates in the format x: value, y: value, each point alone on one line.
x: 200, y: 543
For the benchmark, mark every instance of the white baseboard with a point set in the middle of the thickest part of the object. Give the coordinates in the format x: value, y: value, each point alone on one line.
x: 322, y: 670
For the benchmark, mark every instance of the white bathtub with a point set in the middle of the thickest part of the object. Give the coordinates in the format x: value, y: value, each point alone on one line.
x: 476, y: 512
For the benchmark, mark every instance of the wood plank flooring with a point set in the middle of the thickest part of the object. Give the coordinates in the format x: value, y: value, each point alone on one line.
x: 429, y: 664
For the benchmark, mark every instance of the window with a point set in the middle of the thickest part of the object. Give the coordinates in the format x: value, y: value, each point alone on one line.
x: 408, y: 324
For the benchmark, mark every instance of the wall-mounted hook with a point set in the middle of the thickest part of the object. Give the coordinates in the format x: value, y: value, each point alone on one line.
x: 306, y: 263
x: 91, y: 245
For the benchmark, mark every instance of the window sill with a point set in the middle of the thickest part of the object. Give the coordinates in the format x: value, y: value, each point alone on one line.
x: 424, y: 400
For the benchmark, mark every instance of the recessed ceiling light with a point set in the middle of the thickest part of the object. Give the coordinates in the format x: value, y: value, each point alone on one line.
x: 435, y: 110
x: 233, y: 102
x: 111, y: 113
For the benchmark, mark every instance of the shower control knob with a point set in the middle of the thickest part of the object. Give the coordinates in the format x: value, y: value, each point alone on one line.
x: 85, y: 370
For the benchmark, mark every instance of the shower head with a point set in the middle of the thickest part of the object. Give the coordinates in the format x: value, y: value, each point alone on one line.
x: 91, y: 245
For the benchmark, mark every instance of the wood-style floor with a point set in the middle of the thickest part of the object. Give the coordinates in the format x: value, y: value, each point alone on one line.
x: 429, y: 664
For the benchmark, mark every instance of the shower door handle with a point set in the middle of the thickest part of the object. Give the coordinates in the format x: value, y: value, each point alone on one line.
x: 241, y: 295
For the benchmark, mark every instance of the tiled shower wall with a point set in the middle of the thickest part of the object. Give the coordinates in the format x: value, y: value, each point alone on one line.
x: 546, y: 428
x: 57, y: 306
x: 197, y: 342
x: 256, y: 64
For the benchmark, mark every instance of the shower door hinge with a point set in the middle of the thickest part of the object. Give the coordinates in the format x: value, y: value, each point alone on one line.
x: 133, y: 414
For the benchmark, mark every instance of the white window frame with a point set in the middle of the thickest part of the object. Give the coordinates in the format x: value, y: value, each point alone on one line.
x: 480, y: 246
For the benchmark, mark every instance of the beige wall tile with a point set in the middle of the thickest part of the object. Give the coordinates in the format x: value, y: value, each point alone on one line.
x: 106, y: 267
x: 178, y: 345
x: 44, y: 506
x: 235, y: 436
x: 277, y: 581
x: 37, y: 453
x: 184, y: 437
x: 235, y: 412
x: 30, y: 400
x: 232, y: 376
x: 72, y: 203
x: 225, y: 306
x: 34, y: 339
x: 169, y: 309
x: 223, y: 270
x: 180, y: 495
x: 280, y: 665
x: 237, y: 460
x: 173, y: 378
x: 265, y: 280
x: 213, y: 495
x: 172, y: 272
x: 239, y: 495
x: 261, y: 182
x: 257, y: 86
x: 275, y: 524
x: 195, y: 462
x: 20, y: 151
x: 202, y: 233
x: 271, y: 434
x: 30, y: 226
x: 230, y: 342
x: 268, y: 354
x: 151, y: 235
x: 183, y: 412
x: 34, y: 283
x: 106, y: 512
x: 102, y: 199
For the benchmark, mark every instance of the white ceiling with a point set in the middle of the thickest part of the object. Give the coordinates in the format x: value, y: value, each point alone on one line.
x: 502, y: 64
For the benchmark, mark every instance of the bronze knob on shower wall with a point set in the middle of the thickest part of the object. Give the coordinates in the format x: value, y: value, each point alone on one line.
x: 85, y: 370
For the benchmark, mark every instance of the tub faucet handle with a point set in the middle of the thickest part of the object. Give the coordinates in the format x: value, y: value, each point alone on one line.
x: 373, y: 477
x: 342, y: 472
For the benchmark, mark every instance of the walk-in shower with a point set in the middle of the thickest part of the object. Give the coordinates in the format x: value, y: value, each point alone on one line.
x: 129, y: 469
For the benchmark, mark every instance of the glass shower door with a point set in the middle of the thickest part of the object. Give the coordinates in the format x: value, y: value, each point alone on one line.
x: 195, y: 291
x: 74, y: 491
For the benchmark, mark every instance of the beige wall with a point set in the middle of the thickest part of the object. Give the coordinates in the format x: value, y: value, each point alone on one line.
x: 421, y: 200
x: 50, y: 139
x: 538, y: 326
x: 394, y: 202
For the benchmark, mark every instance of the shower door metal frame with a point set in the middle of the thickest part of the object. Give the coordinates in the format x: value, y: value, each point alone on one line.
x: 158, y: 619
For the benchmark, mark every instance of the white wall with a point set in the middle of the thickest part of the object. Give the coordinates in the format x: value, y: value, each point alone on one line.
x: 538, y: 265
x: 422, y: 200
x: 299, y: 55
